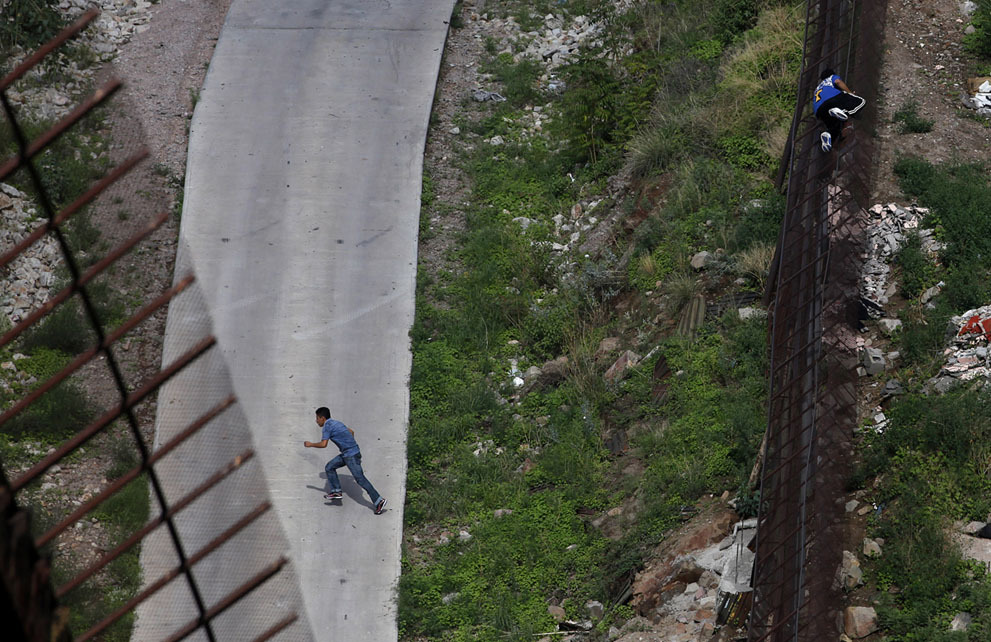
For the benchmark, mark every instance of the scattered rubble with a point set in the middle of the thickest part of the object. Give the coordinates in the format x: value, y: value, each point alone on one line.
x: 979, y: 95
x: 28, y: 280
x: 887, y: 230
x: 849, y: 574
x: 118, y: 21
x: 967, y: 352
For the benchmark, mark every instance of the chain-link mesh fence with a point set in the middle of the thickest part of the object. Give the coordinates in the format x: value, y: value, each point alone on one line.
x: 812, y: 403
x: 100, y: 412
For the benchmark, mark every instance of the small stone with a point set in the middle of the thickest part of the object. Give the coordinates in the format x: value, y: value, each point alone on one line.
x: 871, y: 548
x: 865, y: 509
x: 595, y: 609
x: 701, y: 260
x: 455, y: 130
x: 499, y: 513
x: 852, y: 505
x: 961, y: 622
x: 889, y: 326
x: 557, y: 613
x: 751, y: 313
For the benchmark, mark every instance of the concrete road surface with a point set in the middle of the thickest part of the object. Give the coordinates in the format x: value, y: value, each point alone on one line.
x: 300, y: 215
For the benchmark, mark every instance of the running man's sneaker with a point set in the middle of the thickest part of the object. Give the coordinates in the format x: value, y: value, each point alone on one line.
x: 827, y: 141
x: 838, y: 114
x: 380, y: 506
x: 334, y: 494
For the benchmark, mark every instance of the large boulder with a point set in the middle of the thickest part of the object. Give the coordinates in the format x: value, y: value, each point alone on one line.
x: 859, y: 621
x: 618, y: 369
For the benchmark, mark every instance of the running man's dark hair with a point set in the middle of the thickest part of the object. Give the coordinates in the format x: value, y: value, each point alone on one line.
x: 826, y: 73
x: 323, y: 411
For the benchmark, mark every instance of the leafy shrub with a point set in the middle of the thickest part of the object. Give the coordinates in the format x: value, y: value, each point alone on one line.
x: 58, y: 413
x: 918, y: 270
x: 732, y: 17
x: 589, y: 109
x: 518, y: 78
x: 43, y: 363
x: 744, y: 151
x: 911, y: 122
x: 759, y: 222
x: 548, y: 323
x: 63, y: 330
x: 979, y: 41
x: 922, y: 338
x: 707, y: 50
x: 957, y: 195
x: 649, y: 268
x: 124, y: 456
x: 29, y: 23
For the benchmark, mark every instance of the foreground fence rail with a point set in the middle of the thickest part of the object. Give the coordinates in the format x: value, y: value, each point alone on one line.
x: 213, y: 554
x: 814, y: 296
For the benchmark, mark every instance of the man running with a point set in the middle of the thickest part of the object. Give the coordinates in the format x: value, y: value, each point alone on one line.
x: 834, y: 103
x: 343, y: 438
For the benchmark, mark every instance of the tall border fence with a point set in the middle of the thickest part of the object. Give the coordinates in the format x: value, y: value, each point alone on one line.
x: 815, y: 297
x: 213, y: 553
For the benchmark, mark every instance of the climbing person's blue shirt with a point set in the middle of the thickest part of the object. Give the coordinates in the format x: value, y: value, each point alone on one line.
x: 825, y: 90
x: 341, y: 436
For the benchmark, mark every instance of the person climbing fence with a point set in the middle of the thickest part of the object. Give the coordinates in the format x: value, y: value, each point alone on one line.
x: 834, y: 103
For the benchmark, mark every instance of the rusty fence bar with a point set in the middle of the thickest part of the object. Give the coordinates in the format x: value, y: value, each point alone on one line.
x: 813, y: 295
x: 218, y: 607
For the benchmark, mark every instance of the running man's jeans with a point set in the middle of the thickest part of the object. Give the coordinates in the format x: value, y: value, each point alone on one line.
x: 354, y: 465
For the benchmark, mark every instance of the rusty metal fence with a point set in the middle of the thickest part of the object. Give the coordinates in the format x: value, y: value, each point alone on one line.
x: 812, y: 409
x: 213, y: 554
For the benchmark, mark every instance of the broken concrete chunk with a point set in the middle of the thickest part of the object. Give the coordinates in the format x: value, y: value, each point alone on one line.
x: 889, y: 326
x: 891, y: 388
x: 872, y: 360
x: 961, y: 622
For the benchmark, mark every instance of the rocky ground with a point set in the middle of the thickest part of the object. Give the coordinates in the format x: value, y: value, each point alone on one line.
x: 161, y: 51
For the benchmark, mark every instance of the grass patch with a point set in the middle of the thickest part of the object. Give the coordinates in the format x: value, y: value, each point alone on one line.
x: 29, y: 23
x: 957, y: 195
x: 57, y: 414
x: 909, y: 120
x: 121, y: 515
x: 504, y: 305
x: 979, y: 42
x: 935, y: 470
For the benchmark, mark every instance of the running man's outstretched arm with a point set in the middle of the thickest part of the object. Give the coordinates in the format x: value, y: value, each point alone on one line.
x: 315, y: 444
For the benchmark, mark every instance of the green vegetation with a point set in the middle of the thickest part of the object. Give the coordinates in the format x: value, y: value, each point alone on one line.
x: 479, y: 448
x: 121, y: 515
x: 935, y: 462
x: 932, y: 463
x: 918, y: 270
x: 67, y: 168
x: 979, y: 42
x: 29, y: 23
x: 910, y: 121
